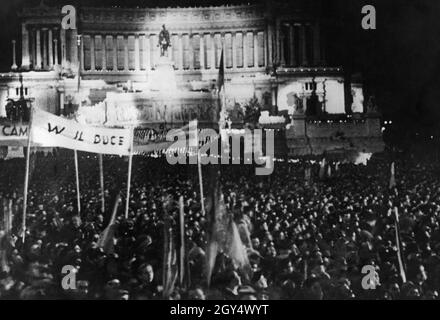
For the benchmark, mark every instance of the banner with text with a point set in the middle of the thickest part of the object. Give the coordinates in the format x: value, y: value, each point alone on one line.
x: 13, y: 134
x: 49, y: 130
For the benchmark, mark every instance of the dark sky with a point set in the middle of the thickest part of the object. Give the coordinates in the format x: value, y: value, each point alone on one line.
x: 400, y: 61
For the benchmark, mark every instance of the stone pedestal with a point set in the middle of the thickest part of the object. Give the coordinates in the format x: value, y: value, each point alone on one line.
x: 163, y: 78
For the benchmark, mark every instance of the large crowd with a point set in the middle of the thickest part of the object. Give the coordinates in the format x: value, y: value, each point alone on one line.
x: 308, y: 239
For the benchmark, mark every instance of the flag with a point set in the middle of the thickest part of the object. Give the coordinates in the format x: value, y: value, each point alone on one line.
x: 221, y: 74
x: 221, y: 116
x: 224, y: 236
x: 392, y: 176
x: 235, y: 248
x: 106, y: 238
x: 215, y: 212
x: 399, y: 246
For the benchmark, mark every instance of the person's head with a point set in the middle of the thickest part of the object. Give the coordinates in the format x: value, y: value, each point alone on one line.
x: 146, y: 272
x: 197, y: 294
x: 76, y: 221
x: 313, y: 289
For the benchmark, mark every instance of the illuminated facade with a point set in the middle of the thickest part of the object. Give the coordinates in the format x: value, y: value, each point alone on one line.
x: 274, y: 53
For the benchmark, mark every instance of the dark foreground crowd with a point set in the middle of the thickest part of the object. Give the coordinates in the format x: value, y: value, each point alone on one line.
x: 307, y: 240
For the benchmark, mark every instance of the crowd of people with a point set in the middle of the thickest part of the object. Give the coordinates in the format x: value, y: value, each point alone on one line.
x: 308, y: 239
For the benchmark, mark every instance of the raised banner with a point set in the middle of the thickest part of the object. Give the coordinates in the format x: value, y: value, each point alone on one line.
x: 49, y: 130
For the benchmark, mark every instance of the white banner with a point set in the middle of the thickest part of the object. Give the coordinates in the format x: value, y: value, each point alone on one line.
x: 49, y: 130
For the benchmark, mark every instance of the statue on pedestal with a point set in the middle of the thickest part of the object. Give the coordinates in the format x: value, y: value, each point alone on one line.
x: 164, y: 41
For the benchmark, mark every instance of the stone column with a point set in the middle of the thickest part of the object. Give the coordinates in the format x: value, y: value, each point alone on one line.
x: 115, y: 52
x: 92, y: 53
x: 32, y: 44
x: 245, y: 49
x: 234, y: 50
x: 74, y: 54
x: 125, y: 53
x: 303, y: 46
x: 81, y: 53
x: 14, y: 58
x: 25, y: 62
x: 45, y: 62
x: 63, y: 48
x: 265, y: 51
x: 137, y: 63
x: 50, y: 47
x: 282, y: 57
x: 147, y: 52
x: 213, y: 53
x: 277, y: 41
x: 104, y: 51
x: 55, y: 44
x: 191, y: 52
x: 292, y: 57
x: 38, y: 49
x: 255, y: 38
x: 316, y: 44
x: 202, y: 51
x: 269, y: 45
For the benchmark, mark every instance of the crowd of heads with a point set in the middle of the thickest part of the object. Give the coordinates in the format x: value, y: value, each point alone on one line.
x: 304, y: 239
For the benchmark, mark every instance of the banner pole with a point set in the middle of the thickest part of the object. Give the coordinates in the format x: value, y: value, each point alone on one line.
x: 182, y: 240
x: 101, y: 180
x: 199, y: 166
x: 78, y: 195
x: 26, y: 175
x: 130, y: 164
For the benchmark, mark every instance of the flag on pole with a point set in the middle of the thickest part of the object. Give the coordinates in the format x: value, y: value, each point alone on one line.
x: 399, y: 246
x: 221, y: 73
x: 105, y: 240
x: 236, y: 249
x: 392, y: 176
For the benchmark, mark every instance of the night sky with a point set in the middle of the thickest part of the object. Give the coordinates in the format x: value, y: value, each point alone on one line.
x: 399, y: 61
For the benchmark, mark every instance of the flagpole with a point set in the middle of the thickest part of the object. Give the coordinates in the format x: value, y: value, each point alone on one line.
x: 10, y: 215
x: 26, y: 176
x: 399, y: 252
x: 101, y: 180
x: 78, y: 195
x: 182, y: 241
x: 202, y: 199
x: 130, y: 164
